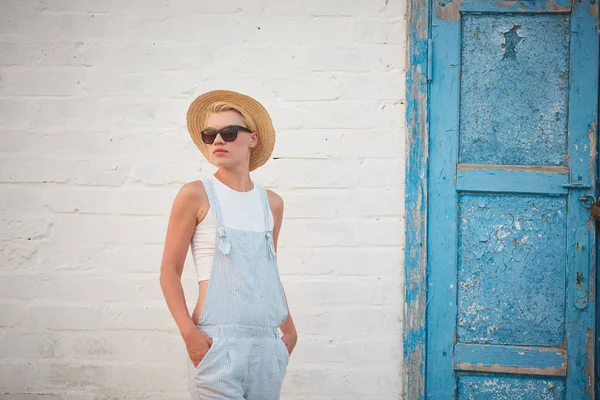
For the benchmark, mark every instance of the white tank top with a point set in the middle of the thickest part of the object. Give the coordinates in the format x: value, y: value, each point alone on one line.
x: 240, y: 210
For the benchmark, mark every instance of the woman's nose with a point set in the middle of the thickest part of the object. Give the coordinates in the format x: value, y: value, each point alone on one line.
x: 218, y: 139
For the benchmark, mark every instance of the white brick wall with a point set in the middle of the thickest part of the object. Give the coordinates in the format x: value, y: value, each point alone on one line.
x: 93, y: 95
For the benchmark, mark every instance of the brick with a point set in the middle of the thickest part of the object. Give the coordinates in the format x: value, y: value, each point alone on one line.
x: 178, y: 172
x: 76, y: 54
x: 350, y: 290
x: 199, y: 8
x: 295, y: 173
x: 357, y: 58
x: 154, y: 316
x: 392, y: 116
x: 24, y: 25
x: 393, y: 57
x: 20, y: 286
x: 100, y: 143
x: 339, y: 261
x: 12, y: 313
x: 83, y: 229
x: 63, y: 316
x: 313, y: 87
x: 161, y: 29
x: 354, y: 381
x: 22, y: 226
x: 93, y: 26
x: 107, y: 113
x: 19, y: 256
x: 89, y: 200
x: 309, y: 143
x: 339, y: 348
x: 42, y: 169
x: 105, y: 346
x: 326, y: 115
x: 107, y: 83
x: 373, y: 143
x: 327, y: 7
x: 107, y: 258
x: 374, y: 172
x: 396, y: 8
x: 35, y: 26
x: 329, y: 203
x: 372, y: 86
x: 379, y: 231
x: 95, y: 394
x: 338, y: 322
x: 120, y: 393
x: 87, y: 288
x: 17, y: 345
x: 58, y: 395
x: 43, y: 82
x: 62, y: 6
x: 21, y: 198
x: 336, y: 30
x: 148, y: 56
x: 19, y: 375
x: 66, y: 374
x: 285, y: 60
x: 143, y: 376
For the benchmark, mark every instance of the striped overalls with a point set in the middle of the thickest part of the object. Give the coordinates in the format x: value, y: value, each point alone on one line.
x: 243, y: 308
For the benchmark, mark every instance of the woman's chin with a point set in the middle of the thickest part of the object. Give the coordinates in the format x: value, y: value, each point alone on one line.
x: 222, y: 162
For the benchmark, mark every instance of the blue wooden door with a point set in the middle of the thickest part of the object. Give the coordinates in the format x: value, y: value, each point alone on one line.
x: 513, y: 107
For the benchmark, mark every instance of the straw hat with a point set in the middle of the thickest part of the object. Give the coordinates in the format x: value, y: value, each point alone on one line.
x: 197, y: 116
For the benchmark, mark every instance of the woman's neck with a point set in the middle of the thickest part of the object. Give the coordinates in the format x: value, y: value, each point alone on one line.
x: 238, y: 181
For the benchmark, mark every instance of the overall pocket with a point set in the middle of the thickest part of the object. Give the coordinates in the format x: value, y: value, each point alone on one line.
x: 283, y: 357
x: 244, y: 272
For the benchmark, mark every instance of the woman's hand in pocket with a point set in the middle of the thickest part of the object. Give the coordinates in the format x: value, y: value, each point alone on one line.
x: 290, y: 340
x: 197, y: 343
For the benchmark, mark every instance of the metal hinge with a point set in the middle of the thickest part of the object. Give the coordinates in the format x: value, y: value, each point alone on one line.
x: 429, y: 60
x: 576, y: 184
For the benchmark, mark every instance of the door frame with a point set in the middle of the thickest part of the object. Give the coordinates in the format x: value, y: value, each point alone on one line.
x: 415, y: 257
x: 418, y: 74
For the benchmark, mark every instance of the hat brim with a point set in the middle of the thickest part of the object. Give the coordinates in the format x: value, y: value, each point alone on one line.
x: 197, y: 116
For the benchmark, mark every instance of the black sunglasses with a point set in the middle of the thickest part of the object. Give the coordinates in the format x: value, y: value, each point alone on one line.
x: 228, y: 133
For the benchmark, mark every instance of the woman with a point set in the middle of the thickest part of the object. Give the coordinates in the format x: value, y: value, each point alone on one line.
x: 232, y: 224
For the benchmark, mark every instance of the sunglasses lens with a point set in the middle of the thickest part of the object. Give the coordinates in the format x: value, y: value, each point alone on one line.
x: 229, y: 133
x: 209, y: 136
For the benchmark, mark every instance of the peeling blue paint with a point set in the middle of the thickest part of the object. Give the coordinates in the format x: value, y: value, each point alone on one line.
x: 502, y: 180
x: 511, y: 40
x: 514, y: 89
x: 414, y: 336
x: 504, y: 6
x: 511, y: 260
x: 514, y: 359
x: 508, y: 387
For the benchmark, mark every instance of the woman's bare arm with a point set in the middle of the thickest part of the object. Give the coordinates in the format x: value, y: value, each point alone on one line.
x: 182, y: 223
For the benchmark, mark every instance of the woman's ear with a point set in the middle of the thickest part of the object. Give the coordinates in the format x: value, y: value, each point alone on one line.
x: 253, y: 140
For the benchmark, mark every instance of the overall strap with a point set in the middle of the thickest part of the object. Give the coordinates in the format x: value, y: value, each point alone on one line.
x: 266, y: 209
x: 223, y: 241
x: 213, y: 200
x: 268, y: 230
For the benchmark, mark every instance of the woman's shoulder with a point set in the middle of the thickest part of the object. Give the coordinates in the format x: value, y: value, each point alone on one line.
x: 275, y: 202
x: 194, y: 189
x: 192, y: 195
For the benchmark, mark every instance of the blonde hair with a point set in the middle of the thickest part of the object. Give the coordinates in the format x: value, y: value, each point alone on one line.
x: 221, y: 106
